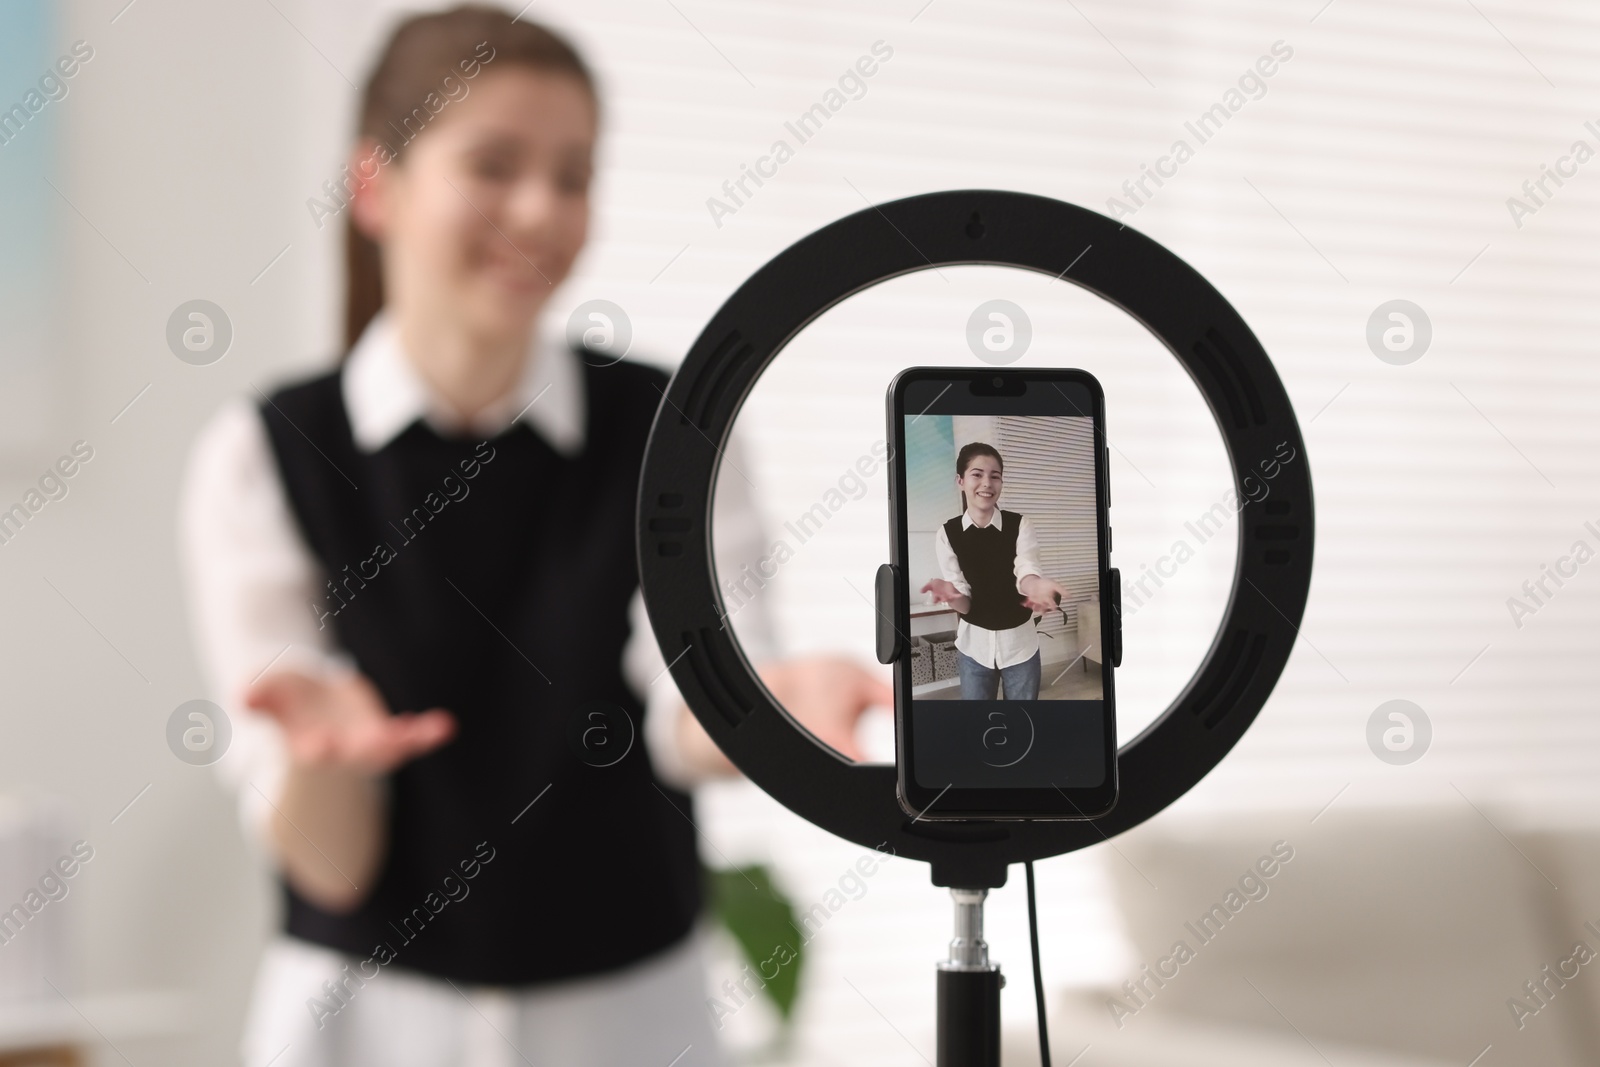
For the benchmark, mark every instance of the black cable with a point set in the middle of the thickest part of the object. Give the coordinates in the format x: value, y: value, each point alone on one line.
x: 1038, y: 978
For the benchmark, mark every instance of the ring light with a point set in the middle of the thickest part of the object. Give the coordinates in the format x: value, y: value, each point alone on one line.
x: 1272, y: 576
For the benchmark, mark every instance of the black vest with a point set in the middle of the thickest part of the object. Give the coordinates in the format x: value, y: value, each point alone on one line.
x: 493, y: 579
x: 988, y: 559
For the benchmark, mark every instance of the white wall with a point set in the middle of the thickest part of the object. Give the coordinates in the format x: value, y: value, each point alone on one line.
x: 178, y: 148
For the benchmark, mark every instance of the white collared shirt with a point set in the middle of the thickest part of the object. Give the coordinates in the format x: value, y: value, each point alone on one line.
x: 993, y: 648
x: 383, y: 394
x: 251, y: 578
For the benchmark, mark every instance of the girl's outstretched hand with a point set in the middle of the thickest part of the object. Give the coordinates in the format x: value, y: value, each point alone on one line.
x: 828, y: 695
x: 340, y: 720
x: 1043, y: 594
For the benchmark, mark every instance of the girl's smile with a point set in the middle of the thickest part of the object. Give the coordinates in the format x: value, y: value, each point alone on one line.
x: 982, y: 482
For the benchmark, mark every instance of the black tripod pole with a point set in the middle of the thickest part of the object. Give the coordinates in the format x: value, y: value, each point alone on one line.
x: 969, y: 991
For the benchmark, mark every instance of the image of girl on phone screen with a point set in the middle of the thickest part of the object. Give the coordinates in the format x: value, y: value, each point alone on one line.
x: 989, y: 559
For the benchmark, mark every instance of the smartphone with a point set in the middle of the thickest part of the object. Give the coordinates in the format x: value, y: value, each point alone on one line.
x: 999, y: 608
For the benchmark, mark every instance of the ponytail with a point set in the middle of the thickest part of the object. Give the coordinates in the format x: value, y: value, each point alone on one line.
x: 363, y: 282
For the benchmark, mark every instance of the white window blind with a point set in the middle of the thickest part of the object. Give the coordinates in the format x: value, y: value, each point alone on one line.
x: 1049, y: 477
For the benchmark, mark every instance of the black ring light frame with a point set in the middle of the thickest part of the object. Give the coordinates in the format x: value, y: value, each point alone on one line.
x: 1271, y: 580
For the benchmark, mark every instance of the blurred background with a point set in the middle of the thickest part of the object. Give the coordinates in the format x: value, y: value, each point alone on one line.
x: 1405, y: 212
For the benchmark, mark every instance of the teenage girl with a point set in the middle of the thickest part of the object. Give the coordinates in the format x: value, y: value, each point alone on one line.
x: 993, y: 580
x: 419, y: 571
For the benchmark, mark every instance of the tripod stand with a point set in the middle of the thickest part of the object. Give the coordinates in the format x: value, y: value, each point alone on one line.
x: 969, y: 991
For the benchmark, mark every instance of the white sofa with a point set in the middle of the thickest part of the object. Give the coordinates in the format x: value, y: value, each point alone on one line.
x: 1393, y: 937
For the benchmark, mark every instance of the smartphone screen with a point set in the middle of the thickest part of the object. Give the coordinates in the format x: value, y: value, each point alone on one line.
x: 1005, y: 602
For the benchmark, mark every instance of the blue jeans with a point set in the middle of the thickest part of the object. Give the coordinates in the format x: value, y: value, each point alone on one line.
x: 979, y: 682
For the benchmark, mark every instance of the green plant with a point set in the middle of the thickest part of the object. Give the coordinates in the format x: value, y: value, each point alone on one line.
x: 762, y: 920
